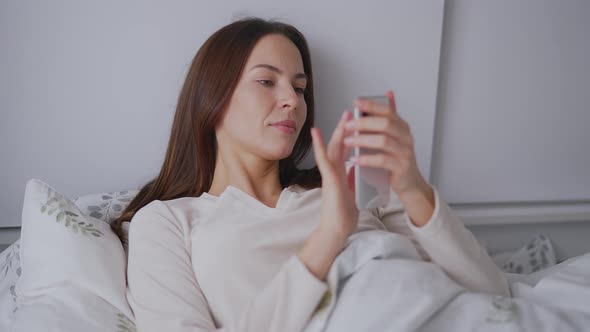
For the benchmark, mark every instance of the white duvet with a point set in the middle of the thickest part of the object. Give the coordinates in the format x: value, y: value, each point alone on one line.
x: 379, y: 283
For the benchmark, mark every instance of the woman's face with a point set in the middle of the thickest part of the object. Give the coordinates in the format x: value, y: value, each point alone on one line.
x: 270, y: 90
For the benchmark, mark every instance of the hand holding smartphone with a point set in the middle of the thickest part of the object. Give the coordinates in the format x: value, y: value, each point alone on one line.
x: 372, y: 187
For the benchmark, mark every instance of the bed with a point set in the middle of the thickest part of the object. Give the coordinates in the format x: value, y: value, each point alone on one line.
x: 67, y: 271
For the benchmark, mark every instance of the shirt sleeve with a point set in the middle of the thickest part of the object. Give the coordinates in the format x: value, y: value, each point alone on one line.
x: 165, y: 296
x: 444, y: 240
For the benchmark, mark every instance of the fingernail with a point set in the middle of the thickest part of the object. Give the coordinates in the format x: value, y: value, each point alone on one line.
x: 348, y: 140
x: 342, y: 119
x: 350, y: 125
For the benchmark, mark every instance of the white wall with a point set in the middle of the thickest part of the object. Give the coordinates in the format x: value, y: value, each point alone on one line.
x: 510, y: 146
x: 88, y: 89
x: 513, y: 115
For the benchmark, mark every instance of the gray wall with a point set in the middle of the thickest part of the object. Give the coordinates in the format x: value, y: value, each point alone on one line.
x: 88, y: 89
x: 510, y: 147
x: 513, y: 111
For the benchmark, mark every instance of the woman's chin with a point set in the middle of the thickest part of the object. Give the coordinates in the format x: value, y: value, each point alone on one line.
x: 280, y: 154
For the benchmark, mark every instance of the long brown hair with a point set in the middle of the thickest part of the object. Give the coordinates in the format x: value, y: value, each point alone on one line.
x: 189, y: 164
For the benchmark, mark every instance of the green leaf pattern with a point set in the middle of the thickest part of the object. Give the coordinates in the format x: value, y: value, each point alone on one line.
x: 11, y: 271
x: 125, y: 324
x: 106, y: 206
x: 58, y: 206
x: 502, y: 310
x: 324, y: 302
x: 13, y: 254
x: 68, y: 213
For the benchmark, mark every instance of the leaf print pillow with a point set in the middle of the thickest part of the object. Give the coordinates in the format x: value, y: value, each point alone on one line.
x: 10, y: 271
x: 108, y: 207
x: 63, y: 247
x: 70, y: 309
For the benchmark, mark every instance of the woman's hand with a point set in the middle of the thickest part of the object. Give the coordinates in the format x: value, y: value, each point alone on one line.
x: 386, y: 131
x: 339, y: 215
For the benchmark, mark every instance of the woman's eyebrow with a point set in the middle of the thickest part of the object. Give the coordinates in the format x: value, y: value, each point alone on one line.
x: 277, y: 70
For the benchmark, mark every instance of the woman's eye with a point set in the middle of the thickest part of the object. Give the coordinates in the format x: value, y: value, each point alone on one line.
x: 269, y: 83
x: 265, y: 82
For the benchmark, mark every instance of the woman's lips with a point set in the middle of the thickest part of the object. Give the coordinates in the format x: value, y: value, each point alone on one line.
x: 286, y: 126
x: 285, y: 129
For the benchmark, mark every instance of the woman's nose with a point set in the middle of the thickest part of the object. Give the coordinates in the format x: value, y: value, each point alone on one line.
x: 289, y: 98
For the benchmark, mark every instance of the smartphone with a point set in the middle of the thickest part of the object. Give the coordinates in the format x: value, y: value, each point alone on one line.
x: 372, y: 188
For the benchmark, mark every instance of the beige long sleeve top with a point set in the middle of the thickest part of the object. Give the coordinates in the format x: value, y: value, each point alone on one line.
x: 229, y: 263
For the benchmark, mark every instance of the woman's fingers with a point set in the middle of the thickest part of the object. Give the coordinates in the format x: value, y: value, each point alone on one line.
x: 378, y: 160
x: 336, y: 148
x: 382, y: 125
x: 318, y: 149
x: 375, y: 141
x: 346, y: 152
x: 350, y: 178
x: 391, y: 98
x: 377, y: 108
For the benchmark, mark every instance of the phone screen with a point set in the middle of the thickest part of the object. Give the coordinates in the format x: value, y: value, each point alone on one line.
x: 372, y: 188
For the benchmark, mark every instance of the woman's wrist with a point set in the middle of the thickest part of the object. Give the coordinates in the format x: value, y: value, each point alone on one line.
x: 320, y: 250
x: 419, y: 203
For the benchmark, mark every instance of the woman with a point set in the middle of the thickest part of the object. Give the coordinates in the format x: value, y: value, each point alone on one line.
x: 231, y: 235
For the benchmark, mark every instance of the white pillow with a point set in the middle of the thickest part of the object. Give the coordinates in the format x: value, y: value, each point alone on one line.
x: 62, y: 248
x: 107, y: 207
x: 69, y: 308
x: 536, y: 255
x: 10, y: 271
